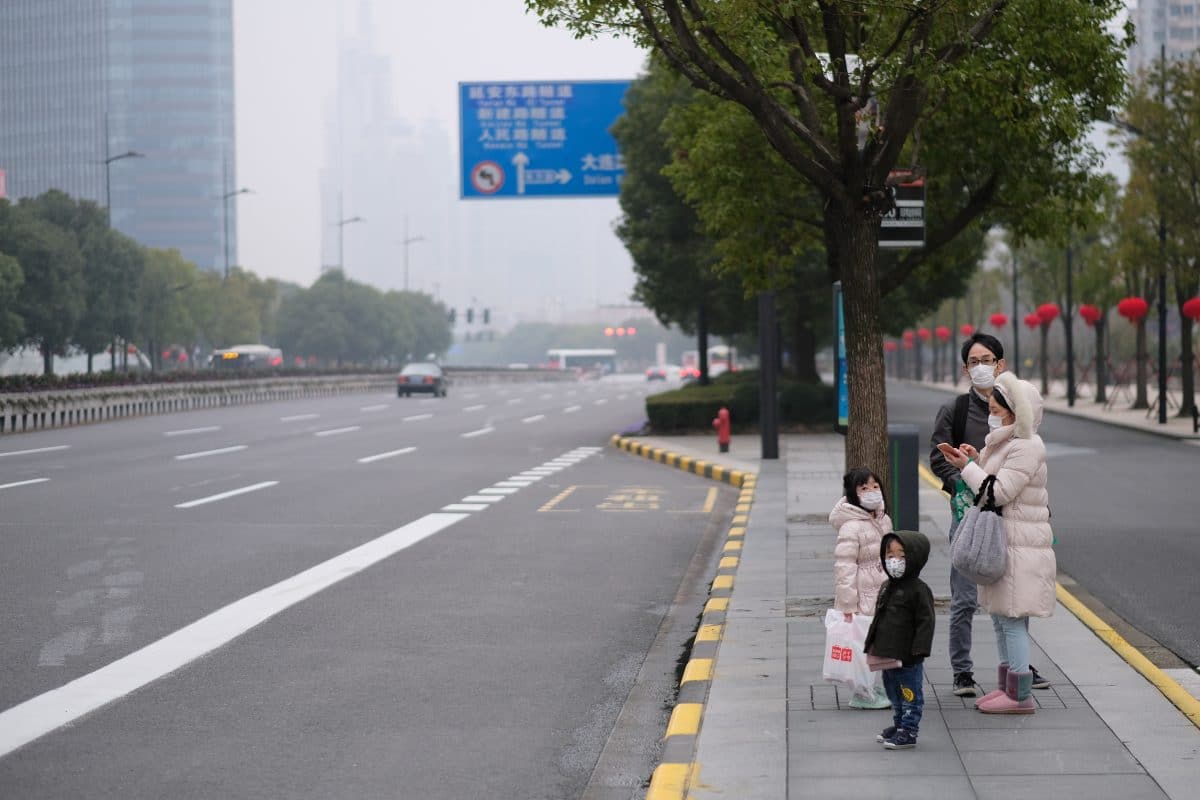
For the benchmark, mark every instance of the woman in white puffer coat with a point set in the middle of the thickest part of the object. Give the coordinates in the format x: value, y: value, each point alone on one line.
x: 860, y: 521
x: 1016, y: 456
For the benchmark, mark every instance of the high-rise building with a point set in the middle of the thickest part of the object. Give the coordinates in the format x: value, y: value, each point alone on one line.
x: 1159, y: 23
x: 85, y: 82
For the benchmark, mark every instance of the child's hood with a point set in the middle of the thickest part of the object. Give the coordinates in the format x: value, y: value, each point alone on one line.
x: 845, y: 511
x: 916, y: 551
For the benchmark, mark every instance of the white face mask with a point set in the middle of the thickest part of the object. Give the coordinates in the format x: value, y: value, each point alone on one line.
x: 872, y: 500
x: 894, y: 567
x: 995, y: 422
x: 983, y: 376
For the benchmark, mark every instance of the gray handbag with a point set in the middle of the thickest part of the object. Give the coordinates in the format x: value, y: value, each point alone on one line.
x: 980, y: 547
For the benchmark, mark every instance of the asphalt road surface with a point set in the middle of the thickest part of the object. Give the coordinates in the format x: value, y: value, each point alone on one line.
x: 358, y: 597
x: 1124, y: 510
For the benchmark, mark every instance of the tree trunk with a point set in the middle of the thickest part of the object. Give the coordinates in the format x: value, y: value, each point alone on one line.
x: 1043, y: 365
x: 47, y: 360
x: 702, y: 341
x: 1187, y: 365
x: 857, y: 247
x: 90, y: 354
x: 1143, y: 378
x: 1101, y: 357
x: 804, y: 351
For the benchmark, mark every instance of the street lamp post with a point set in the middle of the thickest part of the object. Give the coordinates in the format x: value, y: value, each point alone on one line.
x: 225, y: 208
x: 406, y: 241
x: 341, y: 225
x: 1162, y: 264
x: 1069, y: 322
x: 108, y: 160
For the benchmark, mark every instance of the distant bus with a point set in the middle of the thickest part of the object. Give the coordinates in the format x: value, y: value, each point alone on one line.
x: 246, y: 357
x: 595, y: 362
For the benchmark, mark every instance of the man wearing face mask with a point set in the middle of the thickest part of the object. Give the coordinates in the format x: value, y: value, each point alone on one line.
x: 965, y: 420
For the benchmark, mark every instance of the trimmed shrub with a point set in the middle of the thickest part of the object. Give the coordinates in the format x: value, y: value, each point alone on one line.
x: 692, y: 408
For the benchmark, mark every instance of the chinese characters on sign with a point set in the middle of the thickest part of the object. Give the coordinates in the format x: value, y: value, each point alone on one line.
x: 540, y: 139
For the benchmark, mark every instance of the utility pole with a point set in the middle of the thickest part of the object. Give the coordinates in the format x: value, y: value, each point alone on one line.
x: 225, y: 208
x: 1162, y: 266
x: 406, y: 241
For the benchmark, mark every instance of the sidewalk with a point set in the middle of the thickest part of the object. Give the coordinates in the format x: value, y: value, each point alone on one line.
x: 772, y: 728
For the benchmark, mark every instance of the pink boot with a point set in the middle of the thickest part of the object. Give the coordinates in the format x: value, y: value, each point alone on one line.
x: 1002, y: 684
x: 1016, y: 698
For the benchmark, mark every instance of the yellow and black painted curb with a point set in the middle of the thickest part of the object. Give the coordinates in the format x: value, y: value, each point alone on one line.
x: 697, y: 466
x: 677, y: 765
x: 1170, y: 689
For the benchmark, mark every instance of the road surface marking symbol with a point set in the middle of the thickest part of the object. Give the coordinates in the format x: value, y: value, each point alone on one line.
x: 298, y: 417
x: 465, y: 507
x: 23, y: 483
x: 190, y: 431
x: 483, y: 498
x: 499, y: 491
x: 390, y: 454
x: 558, y: 498
x: 379, y: 407
x: 601, y: 401
x: 632, y: 499
x: 534, y: 418
x: 479, y: 432
x: 206, y: 453
x: 336, y: 431
x: 474, y: 408
x: 232, y: 493
x: 40, y: 715
x: 417, y: 417
x: 35, y: 450
x: 520, y: 484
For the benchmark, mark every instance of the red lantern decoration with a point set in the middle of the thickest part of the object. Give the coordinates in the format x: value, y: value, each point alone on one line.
x: 967, y: 329
x: 1133, y: 308
x: 1091, y: 315
x: 924, y: 333
x: 908, y: 344
x: 908, y: 337
x: 1047, y: 312
x: 890, y: 347
x: 942, y: 332
x: 998, y: 319
x: 1191, y: 308
x: 1032, y: 320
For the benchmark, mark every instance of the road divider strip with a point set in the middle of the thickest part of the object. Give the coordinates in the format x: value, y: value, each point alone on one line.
x: 1180, y: 697
x: 677, y: 768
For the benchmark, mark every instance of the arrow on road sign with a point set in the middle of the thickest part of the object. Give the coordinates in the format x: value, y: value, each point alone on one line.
x: 521, y: 161
x: 535, y: 176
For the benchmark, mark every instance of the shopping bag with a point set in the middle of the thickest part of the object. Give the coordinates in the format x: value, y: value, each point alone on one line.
x: 845, y: 658
x: 980, y: 547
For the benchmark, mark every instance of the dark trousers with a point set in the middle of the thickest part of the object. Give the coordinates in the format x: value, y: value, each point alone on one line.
x: 903, y: 687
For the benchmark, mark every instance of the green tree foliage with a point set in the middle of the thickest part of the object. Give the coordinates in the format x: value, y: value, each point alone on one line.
x: 1018, y: 80
x: 11, y: 323
x: 165, y: 317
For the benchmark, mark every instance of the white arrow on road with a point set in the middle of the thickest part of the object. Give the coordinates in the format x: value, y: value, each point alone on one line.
x: 521, y: 161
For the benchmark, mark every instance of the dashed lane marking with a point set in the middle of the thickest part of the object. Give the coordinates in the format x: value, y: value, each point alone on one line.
x: 389, y: 454
x: 35, y: 450
x: 338, y: 431
x: 231, y: 493
x: 29, y: 482
x: 190, y: 431
x: 206, y: 453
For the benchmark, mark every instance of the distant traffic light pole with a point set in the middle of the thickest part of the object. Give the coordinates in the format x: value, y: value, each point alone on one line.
x: 406, y: 241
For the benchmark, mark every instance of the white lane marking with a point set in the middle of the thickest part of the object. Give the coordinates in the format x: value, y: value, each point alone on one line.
x: 571, y: 392
x: 527, y: 477
x: 515, y: 401
x: 544, y: 471
x: 620, y: 397
x: 231, y: 493
x: 379, y: 407
x: 336, y: 431
x: 499, y: 491
x: 35, y: 450
x: 534, y: 418
x: 206, y: 453
x: 601, y: 401
x: 571, y: 409
x: 466, y: 507
x: 416, y: 417
x: 482, y: 498
x: 389, y: 454
x: 23, y: 483
x: 521, y: 484
x: 298, y: 417
x: 190, y: 431
x: 474, y: 408
x: 40, y: 715
x: 480, y: 432
x: 547, y: 396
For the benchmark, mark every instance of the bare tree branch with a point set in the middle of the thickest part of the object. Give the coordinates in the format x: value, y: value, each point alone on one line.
x: 979, y: 31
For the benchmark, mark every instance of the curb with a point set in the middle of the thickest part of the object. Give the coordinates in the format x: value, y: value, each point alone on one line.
x: 677, y: 766
x: 705, y: 469
x: 1169, y: 688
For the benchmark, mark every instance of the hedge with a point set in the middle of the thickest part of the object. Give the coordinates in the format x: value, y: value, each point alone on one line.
x: 693, y: 407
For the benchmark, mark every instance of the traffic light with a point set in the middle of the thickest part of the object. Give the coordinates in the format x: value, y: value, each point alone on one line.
x: 470, y: 315
x: 487, y: 316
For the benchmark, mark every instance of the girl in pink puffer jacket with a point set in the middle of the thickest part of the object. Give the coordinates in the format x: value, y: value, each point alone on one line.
x: 860, y: 521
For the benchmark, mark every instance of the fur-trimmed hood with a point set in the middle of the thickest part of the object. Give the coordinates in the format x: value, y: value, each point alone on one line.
x: 1025, y: 400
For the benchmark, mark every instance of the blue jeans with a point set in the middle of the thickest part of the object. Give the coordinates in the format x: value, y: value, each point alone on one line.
x: 964, y: 600
x: 903, y: 687
x: 1012, y: 640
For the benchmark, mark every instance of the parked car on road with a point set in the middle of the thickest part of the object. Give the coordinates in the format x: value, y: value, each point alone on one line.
x: 420, y: 378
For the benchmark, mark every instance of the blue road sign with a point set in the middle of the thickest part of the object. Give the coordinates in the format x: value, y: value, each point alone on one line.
x: 540, y: 139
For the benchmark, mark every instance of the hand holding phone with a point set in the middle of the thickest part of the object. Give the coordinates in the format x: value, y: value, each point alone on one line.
x: 949, y: 450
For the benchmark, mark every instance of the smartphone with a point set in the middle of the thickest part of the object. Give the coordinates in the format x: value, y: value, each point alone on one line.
x: 948, y: 449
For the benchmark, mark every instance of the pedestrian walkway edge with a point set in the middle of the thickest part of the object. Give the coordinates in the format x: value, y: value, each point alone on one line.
x: 1169, y: 688
x: 672, y: 777
x: 697, y: 466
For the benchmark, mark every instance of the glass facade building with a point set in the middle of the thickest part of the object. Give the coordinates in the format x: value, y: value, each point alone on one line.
x: 84, y: 81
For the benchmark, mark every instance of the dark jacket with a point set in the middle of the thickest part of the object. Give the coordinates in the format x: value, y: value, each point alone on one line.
x: 974, y: 433
x: 904, y: 615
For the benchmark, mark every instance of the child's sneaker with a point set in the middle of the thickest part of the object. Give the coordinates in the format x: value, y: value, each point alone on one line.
x: 885, y: 734
x: 902, y: 739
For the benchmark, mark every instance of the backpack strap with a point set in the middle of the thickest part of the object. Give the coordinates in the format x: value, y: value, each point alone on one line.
x: 958, y: 428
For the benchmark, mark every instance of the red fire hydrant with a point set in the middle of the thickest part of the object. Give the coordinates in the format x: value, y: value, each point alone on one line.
x: 721, y: 425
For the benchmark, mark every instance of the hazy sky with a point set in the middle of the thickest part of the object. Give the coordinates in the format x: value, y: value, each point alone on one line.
x: 285, y: 64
